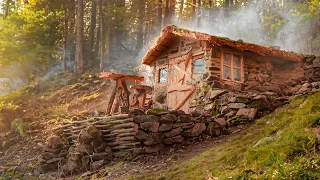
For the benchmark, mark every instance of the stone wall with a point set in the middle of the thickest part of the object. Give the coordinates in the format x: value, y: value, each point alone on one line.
x: 174, y: 127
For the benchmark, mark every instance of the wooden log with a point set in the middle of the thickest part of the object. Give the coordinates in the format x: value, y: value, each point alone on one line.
x: 123, y: 143
x: 114, y: 117
x: 125, y: 147
x: 83, y: 122
x: 120, y: 135
x: 112, y: 97
x: 114, y: 121
x: 125, y: 125
x: 61, y: 127
x: 134, y: 129
x: 127, y: 138
x: 103, y: 126
x: 121, y: 121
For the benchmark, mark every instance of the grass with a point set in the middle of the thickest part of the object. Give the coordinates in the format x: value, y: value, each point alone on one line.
x: 289, y: 153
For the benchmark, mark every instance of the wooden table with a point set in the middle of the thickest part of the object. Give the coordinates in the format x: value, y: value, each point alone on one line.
x: 120, y: 94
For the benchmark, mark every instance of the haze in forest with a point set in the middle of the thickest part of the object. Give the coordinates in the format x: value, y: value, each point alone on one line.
x: 130, y: 29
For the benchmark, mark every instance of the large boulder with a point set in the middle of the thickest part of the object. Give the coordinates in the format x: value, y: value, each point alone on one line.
x: 197, y: 129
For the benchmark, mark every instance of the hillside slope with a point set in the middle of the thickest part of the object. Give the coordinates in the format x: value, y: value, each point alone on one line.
x: 282, y: 145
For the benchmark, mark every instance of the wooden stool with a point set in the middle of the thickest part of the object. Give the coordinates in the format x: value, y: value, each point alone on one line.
x: 139, y: 97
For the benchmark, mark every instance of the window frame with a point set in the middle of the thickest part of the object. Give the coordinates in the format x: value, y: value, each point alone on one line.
x: 232, y: 67
x: 158, y: 74
x: 193, y: 65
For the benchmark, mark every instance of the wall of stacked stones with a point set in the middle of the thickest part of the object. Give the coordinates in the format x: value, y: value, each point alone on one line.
x: 88, y: 144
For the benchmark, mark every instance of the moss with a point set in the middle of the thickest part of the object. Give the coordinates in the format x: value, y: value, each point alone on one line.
x: 257, y: 104
x: 161, y: 98
x: 291, y: 155
x: 155, y: 111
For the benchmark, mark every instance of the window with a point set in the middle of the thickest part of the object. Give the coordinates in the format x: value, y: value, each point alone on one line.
x: 163, y: 73
x: 232, y: 67
x: 199, y: 66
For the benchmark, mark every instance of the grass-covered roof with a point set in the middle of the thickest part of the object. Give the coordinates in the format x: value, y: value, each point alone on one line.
x: 169, y: 33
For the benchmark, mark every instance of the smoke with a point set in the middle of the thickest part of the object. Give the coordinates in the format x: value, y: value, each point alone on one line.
x: 248, y: 24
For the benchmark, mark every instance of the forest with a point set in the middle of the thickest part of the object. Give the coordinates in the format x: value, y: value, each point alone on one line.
x: 43, y: 37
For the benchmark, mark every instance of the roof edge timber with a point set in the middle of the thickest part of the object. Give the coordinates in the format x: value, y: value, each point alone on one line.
x: 219, y: 41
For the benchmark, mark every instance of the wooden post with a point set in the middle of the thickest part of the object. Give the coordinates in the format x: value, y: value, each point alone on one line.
x: 112, y: 97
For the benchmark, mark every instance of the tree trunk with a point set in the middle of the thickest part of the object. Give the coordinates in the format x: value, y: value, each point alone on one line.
x: 194, y: 2
x: 6, y: 10
x: 172, y: 9
x: 146, y: 34
x: 139, y: 45
x: 101, y: 29
x: 181, y: 8
x: 92, y: 30
x: 65, y: 38
x: 210, y: 4
x: 199, y: 14
x: 79, y: 39
x: 167, y: 13
x: 159, y: 25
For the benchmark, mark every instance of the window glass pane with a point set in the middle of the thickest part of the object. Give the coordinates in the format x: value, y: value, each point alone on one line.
x: 226, y: 72
x: 236, y: 61
x: 227, y: 59
x: 236, y: 74
x: 163, y: 75
x: 199, y: 66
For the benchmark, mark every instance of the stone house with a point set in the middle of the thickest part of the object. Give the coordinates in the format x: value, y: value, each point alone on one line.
x: 185, y: 61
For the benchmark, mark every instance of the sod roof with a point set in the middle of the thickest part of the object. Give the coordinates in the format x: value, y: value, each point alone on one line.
x: 172, y: 32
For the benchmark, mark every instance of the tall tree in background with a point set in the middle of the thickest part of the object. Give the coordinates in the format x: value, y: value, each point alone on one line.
x: 172, y: 10
x: 167, y: 13
x: 181, y: 8
x: 101, y: 30
x: 159, y: 23
x: 92, y: 31
x: 65, y: 36
x: 139, y: 45
x: 199, y: 14
x: 194, y: 5
x: 79, y: 38
x: 6, y: 9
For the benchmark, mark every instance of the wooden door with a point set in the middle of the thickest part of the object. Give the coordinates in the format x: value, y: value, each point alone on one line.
x: 179, y: 84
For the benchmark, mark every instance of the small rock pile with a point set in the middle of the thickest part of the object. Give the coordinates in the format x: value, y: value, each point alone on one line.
x: 53, y: 155
x: 174, y: 127
x: 90, y: 152
x: 310, y: 83
x: 235, y: 107
x: 311, y: 66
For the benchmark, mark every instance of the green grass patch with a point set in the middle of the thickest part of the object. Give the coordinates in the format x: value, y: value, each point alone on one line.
x: 289, y: 153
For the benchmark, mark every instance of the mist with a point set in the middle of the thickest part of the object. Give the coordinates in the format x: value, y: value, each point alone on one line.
x: 246, y: 23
